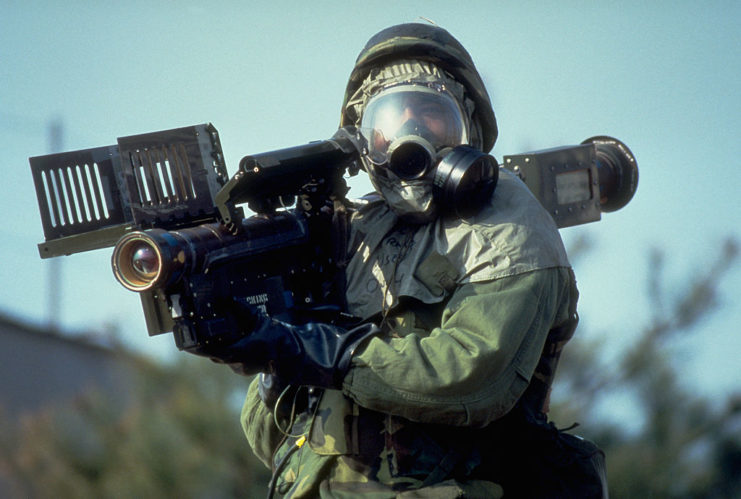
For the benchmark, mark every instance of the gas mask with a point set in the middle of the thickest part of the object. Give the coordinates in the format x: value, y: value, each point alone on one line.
x: 416, y: 157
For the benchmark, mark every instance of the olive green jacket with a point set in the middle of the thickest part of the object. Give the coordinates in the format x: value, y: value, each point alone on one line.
x: 466, y: 307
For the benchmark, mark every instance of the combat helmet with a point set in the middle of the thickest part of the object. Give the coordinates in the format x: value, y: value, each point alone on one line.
x: 431, y: 43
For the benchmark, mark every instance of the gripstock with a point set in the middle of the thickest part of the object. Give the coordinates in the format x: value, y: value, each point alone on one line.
x: 164, y: 200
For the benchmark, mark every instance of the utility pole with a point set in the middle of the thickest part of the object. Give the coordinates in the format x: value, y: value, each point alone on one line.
x: 54, y: 298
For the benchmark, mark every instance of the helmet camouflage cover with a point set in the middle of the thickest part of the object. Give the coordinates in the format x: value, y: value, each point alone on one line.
x: 427, y: 43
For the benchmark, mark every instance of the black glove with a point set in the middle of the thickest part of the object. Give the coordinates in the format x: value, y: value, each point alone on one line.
x: 315, y: 353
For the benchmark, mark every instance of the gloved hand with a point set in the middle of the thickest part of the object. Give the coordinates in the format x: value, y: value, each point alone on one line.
x: 315, y: 354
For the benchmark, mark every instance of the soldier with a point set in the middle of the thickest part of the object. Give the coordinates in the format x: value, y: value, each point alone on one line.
x: 440, y: 388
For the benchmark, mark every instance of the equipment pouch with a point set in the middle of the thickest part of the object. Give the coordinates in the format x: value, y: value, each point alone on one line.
x: 532, y: 458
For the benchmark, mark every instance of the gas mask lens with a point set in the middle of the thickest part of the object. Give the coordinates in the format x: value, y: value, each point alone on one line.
x: 406, y: 113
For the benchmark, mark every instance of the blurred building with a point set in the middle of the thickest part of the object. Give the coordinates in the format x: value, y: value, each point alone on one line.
x: 39, y: 367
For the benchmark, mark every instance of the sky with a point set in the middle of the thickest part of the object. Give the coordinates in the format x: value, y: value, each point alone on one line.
x: 664, y: 77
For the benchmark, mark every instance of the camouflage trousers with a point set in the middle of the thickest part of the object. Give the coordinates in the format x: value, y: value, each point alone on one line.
x: 389, y: 458
x: 307, y: 474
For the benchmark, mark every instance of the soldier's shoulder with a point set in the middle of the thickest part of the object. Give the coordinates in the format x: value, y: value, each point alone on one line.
x: 510, y: 235
x: 511, y: 203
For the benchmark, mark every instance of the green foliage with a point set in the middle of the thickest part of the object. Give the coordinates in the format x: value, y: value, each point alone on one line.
x: 676, y: 443
x: 178, y: 436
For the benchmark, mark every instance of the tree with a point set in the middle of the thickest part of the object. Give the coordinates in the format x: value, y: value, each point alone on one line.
x: 179, y: 437
x: 678, y: 444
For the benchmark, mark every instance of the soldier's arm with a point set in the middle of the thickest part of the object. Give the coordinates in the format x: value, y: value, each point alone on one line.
x: 473, y: 368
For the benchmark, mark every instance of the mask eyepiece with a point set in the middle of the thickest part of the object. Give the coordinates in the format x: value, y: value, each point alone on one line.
x: 406, y: 110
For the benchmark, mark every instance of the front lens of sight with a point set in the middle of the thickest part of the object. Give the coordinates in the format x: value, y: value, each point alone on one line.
x: 136, y: 262
x: 145, y: 262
